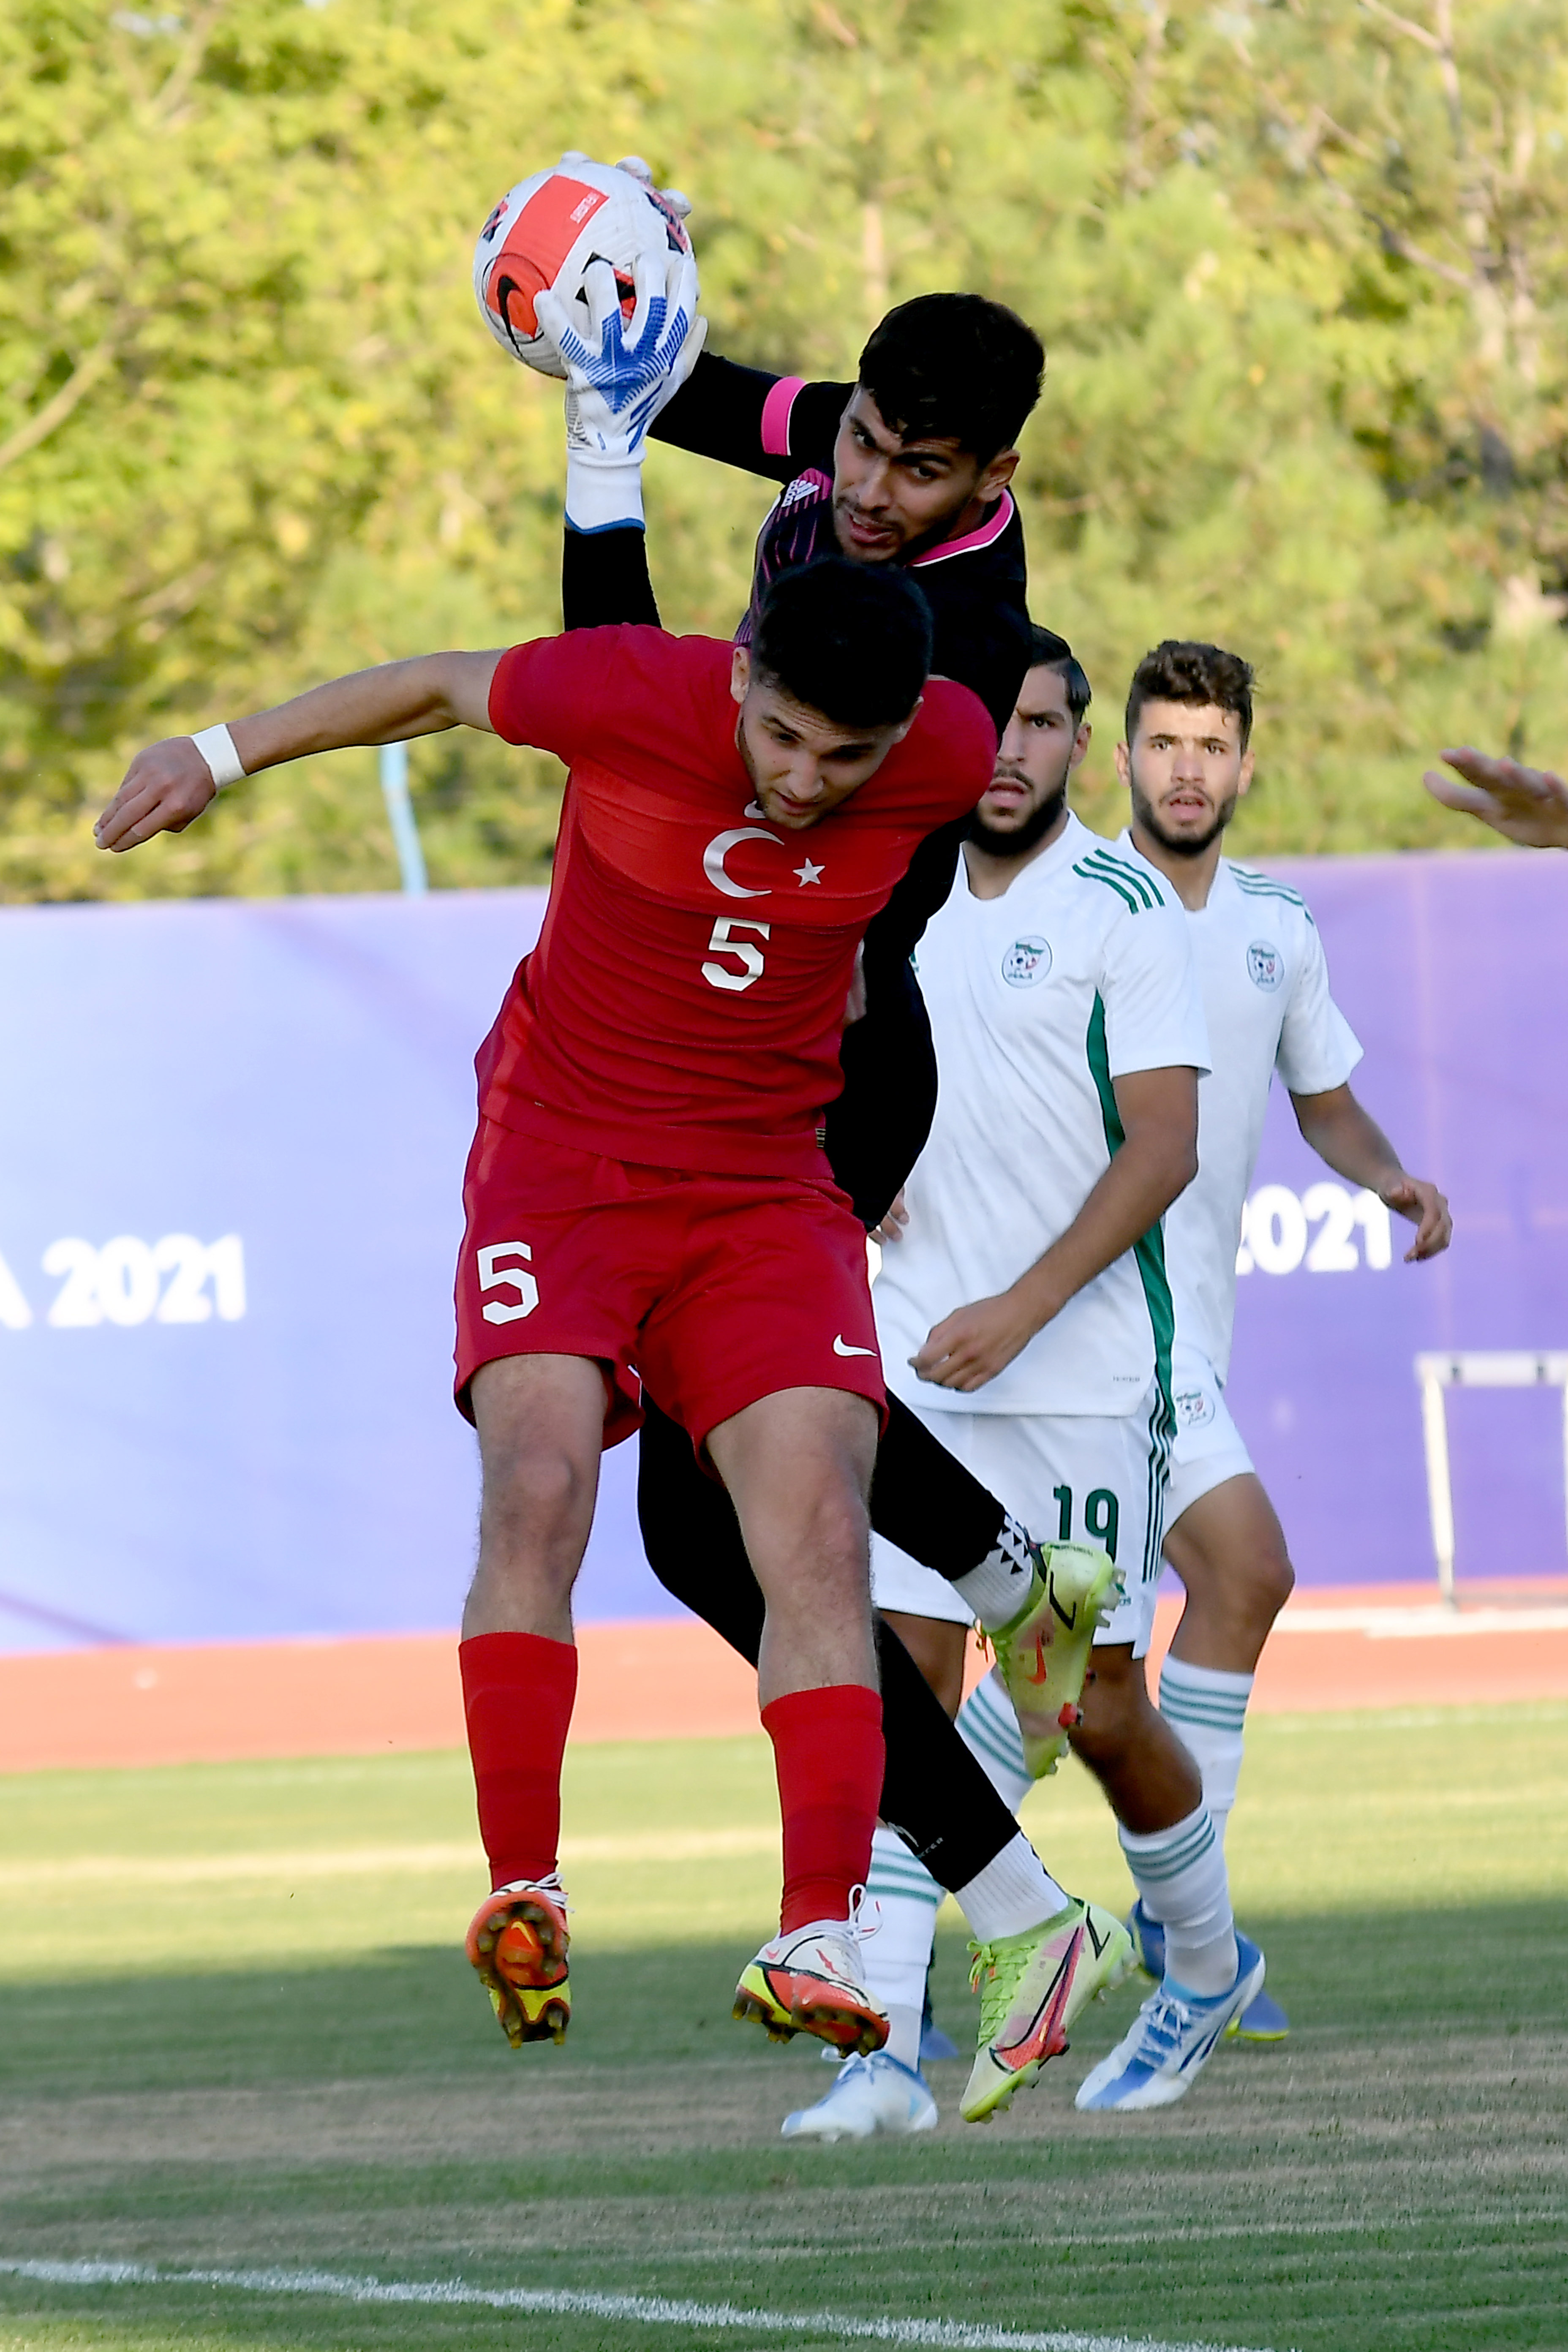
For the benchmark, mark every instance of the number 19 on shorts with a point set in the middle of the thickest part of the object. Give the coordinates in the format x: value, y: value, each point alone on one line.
x: 1102, y: 1518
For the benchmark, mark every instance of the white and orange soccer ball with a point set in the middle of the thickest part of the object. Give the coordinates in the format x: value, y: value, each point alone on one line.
x: 545, y: 231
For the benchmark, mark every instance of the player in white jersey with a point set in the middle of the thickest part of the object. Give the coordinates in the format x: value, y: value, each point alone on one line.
x: 1024, y: 1312
x: 1186, y: 761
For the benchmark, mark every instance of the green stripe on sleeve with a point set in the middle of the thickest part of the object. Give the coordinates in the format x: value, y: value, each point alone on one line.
x: 1122, y: 889
x: 1107, y: 865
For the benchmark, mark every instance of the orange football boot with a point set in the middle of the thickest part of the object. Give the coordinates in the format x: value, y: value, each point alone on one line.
x: 518, y: 1943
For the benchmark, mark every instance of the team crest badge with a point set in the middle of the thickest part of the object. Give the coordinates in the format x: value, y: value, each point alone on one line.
x: 1265, y: 966
x: 1026, y: 962
x: 1194, y: 1408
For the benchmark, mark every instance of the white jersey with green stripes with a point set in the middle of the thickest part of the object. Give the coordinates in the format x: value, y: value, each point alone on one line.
x: 1265, y: 981
x: 1081, y: 972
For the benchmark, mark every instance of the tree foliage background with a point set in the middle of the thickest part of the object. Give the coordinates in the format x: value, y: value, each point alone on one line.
x: 1301, y: 270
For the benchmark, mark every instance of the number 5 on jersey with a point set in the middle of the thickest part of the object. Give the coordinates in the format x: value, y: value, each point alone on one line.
x: 495, y: 1275
x: 746, y: 952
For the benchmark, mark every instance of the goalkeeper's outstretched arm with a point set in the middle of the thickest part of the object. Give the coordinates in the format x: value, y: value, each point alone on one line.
x: 168, y: 785
x: 767, y: 424
x: 604, y: 579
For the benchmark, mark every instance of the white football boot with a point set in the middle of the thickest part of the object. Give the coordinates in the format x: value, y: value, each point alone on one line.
x: 812, y: 1981
x: 868, y: 2096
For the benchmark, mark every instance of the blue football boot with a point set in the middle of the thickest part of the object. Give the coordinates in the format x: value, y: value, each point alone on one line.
x: 1173, y: 2038
x: 1262, y: 2020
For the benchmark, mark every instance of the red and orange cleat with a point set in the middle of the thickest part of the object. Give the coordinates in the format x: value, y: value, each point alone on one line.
x: 810, y: 1982
x: 518, y: 1943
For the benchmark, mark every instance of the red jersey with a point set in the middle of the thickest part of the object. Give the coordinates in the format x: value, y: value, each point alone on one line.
x: 685, y: 1004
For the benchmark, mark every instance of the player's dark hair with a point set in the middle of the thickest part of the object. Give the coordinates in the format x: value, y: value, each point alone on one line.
x: 1048, y: 651
x: 1182, y: 670
x: 955, y: 367
x: 850, y: 640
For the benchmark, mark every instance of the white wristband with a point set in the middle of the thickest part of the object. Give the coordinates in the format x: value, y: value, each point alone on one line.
x: 215, y: 745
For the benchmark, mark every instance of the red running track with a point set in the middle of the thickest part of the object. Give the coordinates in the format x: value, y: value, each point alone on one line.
x: 1386, y: 1647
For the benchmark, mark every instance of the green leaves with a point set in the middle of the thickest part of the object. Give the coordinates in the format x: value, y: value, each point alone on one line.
x: 1302, y: 270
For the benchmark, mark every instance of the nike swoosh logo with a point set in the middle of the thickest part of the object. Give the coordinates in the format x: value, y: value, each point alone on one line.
x: 841, y: 1348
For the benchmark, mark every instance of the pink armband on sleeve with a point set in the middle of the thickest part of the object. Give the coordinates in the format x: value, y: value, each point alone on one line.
x: 776, y: 412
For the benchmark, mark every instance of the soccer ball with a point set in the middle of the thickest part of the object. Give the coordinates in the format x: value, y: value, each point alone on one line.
x: 545, y: 231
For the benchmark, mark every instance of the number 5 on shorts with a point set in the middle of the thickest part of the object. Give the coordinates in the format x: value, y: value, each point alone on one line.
x: 494, y: 1275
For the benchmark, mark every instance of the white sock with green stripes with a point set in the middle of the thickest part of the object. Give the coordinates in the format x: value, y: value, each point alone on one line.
x: 896, y: 1954
x: 1180, y: 1875
x: 1207, y: 1708
x: 989, y: 1729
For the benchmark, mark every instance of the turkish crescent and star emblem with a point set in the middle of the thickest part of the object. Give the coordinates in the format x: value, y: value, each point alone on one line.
x: 719, y: 849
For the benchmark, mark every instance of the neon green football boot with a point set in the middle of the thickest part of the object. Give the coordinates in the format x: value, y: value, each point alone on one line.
x: 1032, y: 1988
x: 1042, y: 1653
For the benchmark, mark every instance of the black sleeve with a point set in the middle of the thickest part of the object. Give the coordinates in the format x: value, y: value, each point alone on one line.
x: 604, y: 579
x: 877, y: 1128
x: 986, y: 649
x: 718, y: 413
x: 892, y: 937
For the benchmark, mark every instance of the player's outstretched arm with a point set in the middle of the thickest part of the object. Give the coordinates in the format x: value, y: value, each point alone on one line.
x: 168, y: 785
x: 1158, y: 1159
x: 1353, y: 1145
x: 1528, y: 805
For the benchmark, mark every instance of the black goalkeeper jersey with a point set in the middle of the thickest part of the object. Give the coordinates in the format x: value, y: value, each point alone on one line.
x: 783, y: 428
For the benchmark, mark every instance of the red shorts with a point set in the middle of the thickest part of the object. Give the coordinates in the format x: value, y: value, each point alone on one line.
x: 717, y: 1290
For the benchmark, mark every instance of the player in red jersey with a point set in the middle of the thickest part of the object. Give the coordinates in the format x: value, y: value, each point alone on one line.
x: 648, y: 1188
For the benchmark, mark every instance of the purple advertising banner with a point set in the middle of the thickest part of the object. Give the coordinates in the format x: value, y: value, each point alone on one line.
x: 233, y: 1138
x: 1453, y: 972
x: 233, y: 1147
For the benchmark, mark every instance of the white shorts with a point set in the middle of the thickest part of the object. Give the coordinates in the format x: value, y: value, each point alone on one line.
x: 1209, y: 1448
x: 1067, y: 1476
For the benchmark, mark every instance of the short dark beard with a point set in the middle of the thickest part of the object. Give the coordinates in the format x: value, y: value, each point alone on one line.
x: 1183, y: 845
x: 1024, y: 837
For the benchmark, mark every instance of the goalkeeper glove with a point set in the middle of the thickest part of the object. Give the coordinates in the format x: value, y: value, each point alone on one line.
x: 618, y: 377
x: 670, y: 198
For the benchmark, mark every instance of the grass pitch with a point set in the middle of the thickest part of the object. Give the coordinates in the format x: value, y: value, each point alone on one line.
x: 238, y: 2034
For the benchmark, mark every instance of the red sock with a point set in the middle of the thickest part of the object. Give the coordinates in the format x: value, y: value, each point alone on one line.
x: 518, y: 1690
x: 829, y: 1755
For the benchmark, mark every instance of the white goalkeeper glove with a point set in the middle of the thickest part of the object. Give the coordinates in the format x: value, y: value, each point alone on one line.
x: 635, y: 168
x: 619, y: 375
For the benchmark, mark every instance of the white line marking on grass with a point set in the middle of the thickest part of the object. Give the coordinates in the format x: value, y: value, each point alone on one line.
x: 654, y: 2311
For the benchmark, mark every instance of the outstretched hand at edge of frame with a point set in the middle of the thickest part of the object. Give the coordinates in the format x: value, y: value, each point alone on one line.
x: 1527, y: 805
